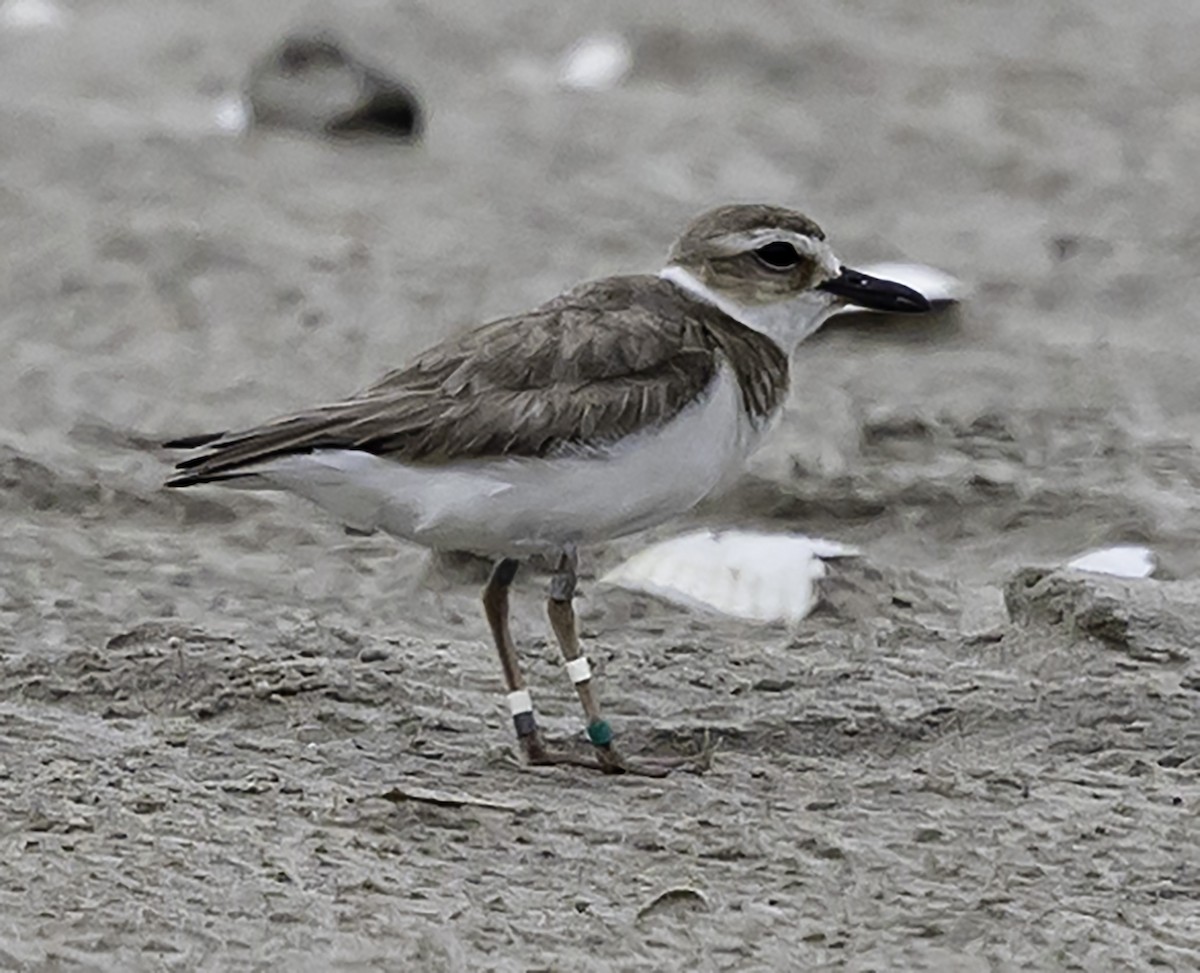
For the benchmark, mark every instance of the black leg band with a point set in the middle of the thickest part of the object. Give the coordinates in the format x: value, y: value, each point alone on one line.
x: 525, y: 724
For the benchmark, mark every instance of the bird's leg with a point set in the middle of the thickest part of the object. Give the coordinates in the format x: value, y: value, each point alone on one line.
x: 562, y: 619
x: 495, y: 607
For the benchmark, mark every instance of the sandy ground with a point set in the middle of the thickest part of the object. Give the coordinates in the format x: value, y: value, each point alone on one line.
x: 233, y: 738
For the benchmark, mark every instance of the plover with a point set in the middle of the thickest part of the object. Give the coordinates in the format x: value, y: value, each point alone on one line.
x: 611, y: 408
x: 310, y: 82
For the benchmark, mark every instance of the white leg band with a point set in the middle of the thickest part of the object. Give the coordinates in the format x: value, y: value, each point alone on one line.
x: 520, y: 702
x: 579, y: 670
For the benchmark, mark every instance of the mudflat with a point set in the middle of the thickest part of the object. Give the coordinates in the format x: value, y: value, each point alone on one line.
x: 234, y: 738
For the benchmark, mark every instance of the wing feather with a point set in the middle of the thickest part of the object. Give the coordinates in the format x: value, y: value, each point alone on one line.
x: 604, y: 361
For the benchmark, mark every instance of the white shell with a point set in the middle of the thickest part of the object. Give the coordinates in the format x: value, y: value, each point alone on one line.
x: 938, y: 286
x: 1121, y: 561
x: 230, y: 114
x: 756, y: 576
x: 596, y: 63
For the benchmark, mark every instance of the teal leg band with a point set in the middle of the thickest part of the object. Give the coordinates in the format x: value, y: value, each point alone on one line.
x: 600, y: 733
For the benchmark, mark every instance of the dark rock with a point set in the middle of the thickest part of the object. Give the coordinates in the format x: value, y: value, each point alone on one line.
x: 311, y: 83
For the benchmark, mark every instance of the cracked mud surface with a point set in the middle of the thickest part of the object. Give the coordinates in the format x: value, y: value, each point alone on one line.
x: 233, y: 738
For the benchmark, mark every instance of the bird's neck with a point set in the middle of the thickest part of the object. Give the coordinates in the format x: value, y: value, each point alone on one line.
x: 787, y: 323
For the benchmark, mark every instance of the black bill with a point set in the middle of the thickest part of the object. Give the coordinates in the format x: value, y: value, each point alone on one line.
x: 879, y: 295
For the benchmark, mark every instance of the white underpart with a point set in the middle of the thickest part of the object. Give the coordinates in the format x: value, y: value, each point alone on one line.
x: 1121, y: 561
x: 787, y: 323
x: 745, y: 574
x: 523, y: 505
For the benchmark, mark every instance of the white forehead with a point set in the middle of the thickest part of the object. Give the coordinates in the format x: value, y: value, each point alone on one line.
x: 818, y: 250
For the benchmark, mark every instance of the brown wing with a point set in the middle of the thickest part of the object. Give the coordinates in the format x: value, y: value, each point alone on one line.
x: 603, y: 361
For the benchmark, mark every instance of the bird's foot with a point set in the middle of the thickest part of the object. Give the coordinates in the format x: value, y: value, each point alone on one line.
x: 613, y: 763
x: 608, y: 760
x: 600, y: 733
x: 537, y: 754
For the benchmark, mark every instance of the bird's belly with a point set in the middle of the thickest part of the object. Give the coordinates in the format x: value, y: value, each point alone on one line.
x: 525, y: 505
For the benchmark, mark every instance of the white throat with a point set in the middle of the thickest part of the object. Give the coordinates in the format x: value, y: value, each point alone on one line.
x: 787, y: 323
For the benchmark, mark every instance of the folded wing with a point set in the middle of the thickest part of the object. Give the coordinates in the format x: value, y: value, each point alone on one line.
x: 604, y: 361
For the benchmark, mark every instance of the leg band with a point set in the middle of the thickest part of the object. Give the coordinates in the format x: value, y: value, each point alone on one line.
x: 525, y: 724
x: 600, y: 733
x: 579, y: 670
x: 521, y: 706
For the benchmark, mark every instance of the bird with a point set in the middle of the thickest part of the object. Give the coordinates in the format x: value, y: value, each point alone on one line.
x: 311, y: 83
x: 613, y: 407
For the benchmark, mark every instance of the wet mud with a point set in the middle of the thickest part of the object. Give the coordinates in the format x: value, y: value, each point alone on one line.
x: 233, y: 737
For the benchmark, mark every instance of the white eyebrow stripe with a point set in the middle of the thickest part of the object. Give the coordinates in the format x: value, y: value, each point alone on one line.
x: 818, y: 250
x: 749, y: 239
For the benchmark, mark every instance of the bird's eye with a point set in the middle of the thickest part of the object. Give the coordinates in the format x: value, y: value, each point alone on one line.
x: 778, y: 256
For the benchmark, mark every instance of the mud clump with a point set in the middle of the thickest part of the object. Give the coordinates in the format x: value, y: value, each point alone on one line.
x: 1152, y: 621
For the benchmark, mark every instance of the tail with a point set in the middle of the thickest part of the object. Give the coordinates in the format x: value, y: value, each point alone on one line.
x: 195, y: 442
x: 191, y: 479
x: 230, y: 455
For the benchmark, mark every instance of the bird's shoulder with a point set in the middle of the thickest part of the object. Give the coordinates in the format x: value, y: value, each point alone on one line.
x: 600, y: 330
